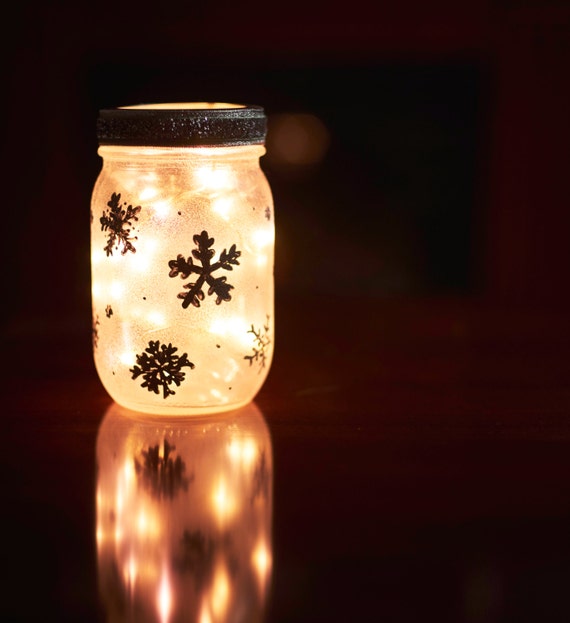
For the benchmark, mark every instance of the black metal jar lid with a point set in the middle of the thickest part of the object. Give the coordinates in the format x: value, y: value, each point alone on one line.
x: 191, y: 124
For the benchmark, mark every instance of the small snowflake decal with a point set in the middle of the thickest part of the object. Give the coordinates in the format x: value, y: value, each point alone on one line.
x: 267, y: 213
x: 118, y: 223
x: 162, y: 476
x: 95, y: 331
x: 159, y: 366
x: 108, y: 311
x: 261, y: 343
x: 204, y: 253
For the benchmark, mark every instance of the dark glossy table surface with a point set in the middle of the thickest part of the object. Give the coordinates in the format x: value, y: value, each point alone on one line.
x: 412, y: 463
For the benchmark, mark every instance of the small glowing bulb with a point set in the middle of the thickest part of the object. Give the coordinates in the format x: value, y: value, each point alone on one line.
x: 213, y: 178
x: 161, y: 209
x: 223, y: 207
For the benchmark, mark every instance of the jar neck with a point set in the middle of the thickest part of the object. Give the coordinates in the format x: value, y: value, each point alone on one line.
x: 131, y: 153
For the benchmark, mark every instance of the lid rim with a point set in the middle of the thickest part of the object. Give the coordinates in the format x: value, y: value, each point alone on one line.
x: 179, y: 126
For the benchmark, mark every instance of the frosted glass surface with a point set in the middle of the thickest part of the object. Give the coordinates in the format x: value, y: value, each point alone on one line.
x: 182, y: 252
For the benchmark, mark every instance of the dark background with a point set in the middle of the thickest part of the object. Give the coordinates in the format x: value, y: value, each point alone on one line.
x: 447, y: 155
x: 443, y: 182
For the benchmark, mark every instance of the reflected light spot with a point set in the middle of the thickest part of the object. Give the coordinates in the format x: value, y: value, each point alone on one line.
x: 147, y: 524
x: 224, y: 504
x: 130, y: 571
x: 205, y: 616
x: 261, y: 560
x: 243, y: 451
x: 164, y: 600
x: 220, y: 592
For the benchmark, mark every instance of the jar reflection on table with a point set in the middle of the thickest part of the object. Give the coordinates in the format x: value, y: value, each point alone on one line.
x: 184, y: 516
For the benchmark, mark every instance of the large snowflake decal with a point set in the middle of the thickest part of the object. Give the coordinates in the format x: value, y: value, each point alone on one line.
x: 260, y: 345
x: 159, y: 366
x: 204, y: 253
x: 160, y: 474
x: 118, y: 223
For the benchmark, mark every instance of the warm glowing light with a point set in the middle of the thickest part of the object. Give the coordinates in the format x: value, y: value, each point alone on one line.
x: 213, y: 178
x: 182, y: 241
x: 233, y: 327
x: 97, y: 256
x: 164, y: 599
x: 194, y: 545
x: 144, y: 261
x: 262, y: 562
x: 156, y: 318
x: 243, y: 451
x: 116, y: 289
x: 205, y: 616
x: 220, y: 592
x: 130, y: 571
x: 261, y: 559
x: 148, y: 192
x: 128, y: 359
x: 224, y: 503
x: 232, y: 370
x: 263, y: 237
x: 223, y: 207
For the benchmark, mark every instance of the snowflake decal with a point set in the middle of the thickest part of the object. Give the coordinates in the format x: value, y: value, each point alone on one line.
x: 162, y: 476
x: 108, y: 311
x: 118, y: 223
x: 196, y: 556
x: 204, y: 253
x: 159, y: 366
x: 95, y: 331
x: 261, y: 343
x: 267, y: 213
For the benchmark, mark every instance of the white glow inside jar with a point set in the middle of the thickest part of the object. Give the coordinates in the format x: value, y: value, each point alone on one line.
x: 182, y: 243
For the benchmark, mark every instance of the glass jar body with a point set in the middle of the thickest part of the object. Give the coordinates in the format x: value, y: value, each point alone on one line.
x: 182, y: 252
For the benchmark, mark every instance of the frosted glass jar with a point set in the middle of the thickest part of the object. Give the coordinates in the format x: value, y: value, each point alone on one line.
x: 182, y: 253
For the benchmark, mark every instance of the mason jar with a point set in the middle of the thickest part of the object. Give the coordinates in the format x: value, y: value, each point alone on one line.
x: 182, y: 253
